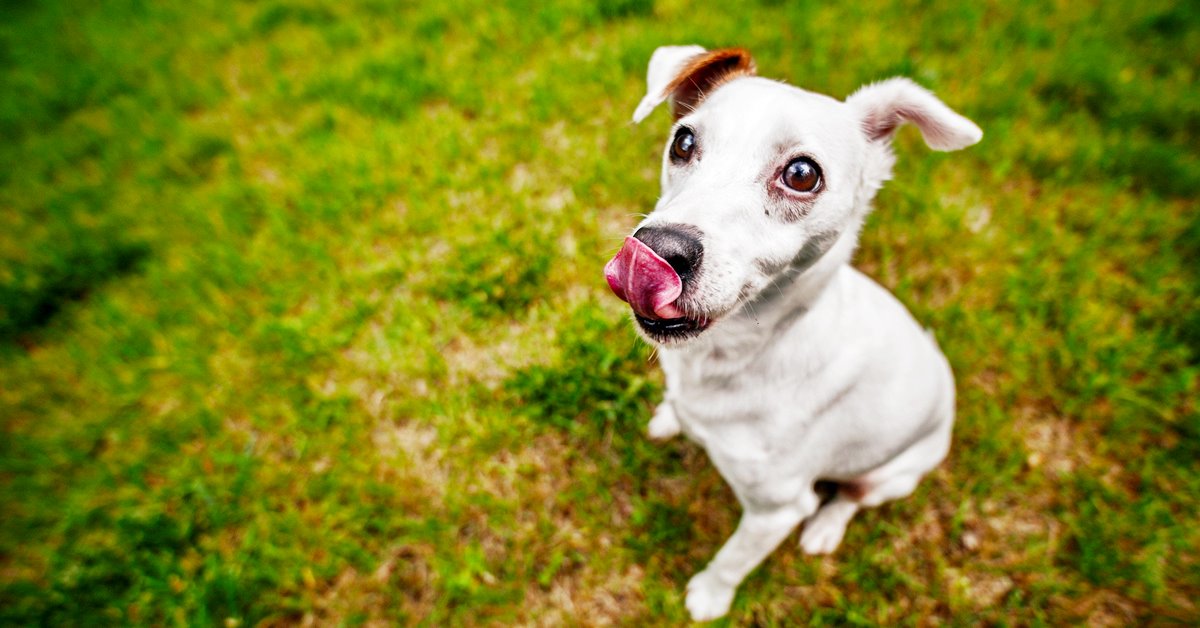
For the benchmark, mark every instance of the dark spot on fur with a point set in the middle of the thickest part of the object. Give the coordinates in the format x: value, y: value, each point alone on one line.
x: 836, y: 398
x: 812, y: 251
x: 787, y: 209
x: 768, y: 267
x: 853, y: 490
x: 826, y: 490
x: 746, y: 292
x: 791, y: 317
x: 719, y: 382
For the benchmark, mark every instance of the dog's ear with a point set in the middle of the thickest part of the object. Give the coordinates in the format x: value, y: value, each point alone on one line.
x: 686, y: 74
x: 884, y: 106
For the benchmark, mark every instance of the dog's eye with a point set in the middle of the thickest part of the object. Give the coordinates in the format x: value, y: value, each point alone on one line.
x: 802, y: 175
x: 682, y: 147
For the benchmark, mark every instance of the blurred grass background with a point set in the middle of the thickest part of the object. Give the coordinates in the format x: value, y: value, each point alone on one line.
x: 301, y: 316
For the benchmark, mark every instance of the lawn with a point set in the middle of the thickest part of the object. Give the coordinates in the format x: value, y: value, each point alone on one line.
x: 302, y: 315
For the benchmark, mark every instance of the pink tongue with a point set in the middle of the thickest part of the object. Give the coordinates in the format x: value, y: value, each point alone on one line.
x: 646, y: 281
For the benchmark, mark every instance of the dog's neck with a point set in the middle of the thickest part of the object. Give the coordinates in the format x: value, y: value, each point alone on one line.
x: 787, y: 299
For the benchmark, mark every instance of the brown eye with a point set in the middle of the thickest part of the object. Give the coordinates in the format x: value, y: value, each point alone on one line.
x: 802, y: 175
x: 682, y: 147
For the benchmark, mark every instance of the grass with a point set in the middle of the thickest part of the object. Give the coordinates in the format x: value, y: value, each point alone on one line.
x: 301, y: 315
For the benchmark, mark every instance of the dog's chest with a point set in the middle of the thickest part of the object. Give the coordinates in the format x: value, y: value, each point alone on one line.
x: 715, y: 389
x: 730, y: 388
x: 724, y: 407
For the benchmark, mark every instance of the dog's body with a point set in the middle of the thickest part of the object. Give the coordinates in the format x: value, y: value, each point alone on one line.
x: 787, y: 365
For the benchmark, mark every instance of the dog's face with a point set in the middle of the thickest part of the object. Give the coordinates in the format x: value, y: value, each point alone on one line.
x: 759, y: 179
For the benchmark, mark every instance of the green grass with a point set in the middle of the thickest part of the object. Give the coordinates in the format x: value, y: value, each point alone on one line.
x: 301, y: 315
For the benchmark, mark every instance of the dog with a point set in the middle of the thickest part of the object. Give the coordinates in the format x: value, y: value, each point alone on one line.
x: 787, y: 365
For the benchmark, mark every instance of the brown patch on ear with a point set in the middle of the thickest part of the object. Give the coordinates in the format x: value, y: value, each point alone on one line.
x: 704, y: 73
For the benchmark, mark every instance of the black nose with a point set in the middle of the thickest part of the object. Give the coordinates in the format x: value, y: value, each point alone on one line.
x: 679, y: 245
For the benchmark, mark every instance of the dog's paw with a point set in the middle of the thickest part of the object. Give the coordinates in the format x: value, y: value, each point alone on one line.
x: 707, y: 597
x: 822, y: 535
x: 664, y: 424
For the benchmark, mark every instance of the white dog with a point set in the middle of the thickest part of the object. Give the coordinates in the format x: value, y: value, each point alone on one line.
x: 787, y: 365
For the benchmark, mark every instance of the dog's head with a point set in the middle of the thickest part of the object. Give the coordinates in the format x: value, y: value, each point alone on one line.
x: 760, y: 182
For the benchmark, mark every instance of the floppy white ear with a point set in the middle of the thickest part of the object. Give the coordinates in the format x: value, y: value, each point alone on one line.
x: 886, y: 105
x: 665, y: 64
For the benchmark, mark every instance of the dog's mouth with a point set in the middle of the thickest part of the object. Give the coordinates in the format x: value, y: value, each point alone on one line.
x: 672, y: 329
x: 653, y: 289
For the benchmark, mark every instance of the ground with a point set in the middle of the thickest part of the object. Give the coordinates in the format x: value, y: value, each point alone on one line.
x: 302, y: 317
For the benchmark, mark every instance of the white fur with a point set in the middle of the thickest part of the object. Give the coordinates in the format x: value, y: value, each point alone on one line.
x: 812, y: 371
x: 664, y: 65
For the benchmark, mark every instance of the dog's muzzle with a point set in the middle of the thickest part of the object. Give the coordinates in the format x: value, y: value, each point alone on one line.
x: 638, y: 276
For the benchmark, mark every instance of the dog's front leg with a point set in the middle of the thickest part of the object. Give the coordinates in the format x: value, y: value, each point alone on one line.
x: 665, y: 423
x: 710, y: 592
